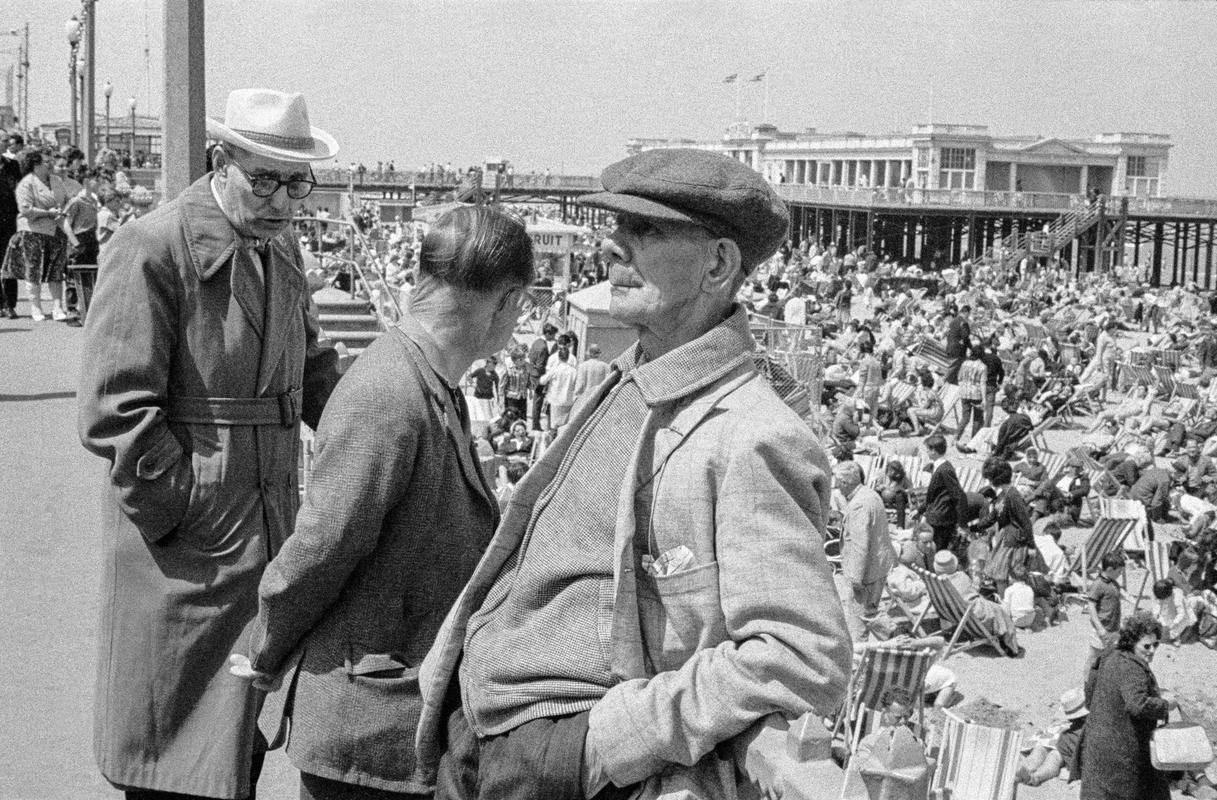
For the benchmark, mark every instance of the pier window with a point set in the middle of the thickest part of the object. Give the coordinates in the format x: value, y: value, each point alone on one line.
x: 958, y: 168
x: 1142, y: 176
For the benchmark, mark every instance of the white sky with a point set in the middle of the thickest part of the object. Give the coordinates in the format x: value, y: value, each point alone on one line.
x: 563, y: 84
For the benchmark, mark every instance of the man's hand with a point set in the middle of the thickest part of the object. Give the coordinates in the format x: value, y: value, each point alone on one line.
x: 239, y: 666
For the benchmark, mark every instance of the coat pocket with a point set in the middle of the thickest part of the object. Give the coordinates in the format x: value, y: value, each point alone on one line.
x: 159, y: 497
x: 215, y: 509
x: 680, y: 614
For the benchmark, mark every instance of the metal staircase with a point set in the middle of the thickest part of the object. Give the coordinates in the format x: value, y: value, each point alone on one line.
x: 1045, y: 243
x: 346, y: 321
x: 346, y: 318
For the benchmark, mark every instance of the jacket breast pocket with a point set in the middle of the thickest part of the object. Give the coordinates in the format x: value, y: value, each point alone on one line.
x: 680, y: 614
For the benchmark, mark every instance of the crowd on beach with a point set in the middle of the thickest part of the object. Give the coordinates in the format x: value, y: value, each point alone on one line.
x: 916, y: 375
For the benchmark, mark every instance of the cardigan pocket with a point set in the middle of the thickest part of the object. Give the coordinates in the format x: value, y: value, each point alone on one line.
x: 680, y: 614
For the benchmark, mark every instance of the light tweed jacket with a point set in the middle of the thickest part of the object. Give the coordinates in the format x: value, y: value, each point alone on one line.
x: 755, y: 628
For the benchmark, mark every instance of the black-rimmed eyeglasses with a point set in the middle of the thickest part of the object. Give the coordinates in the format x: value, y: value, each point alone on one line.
x: 524, y: 301
x: 266, y: 185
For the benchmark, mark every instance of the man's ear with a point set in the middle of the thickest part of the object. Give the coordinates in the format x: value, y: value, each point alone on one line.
x: 726, y: 267
x: 219, y: 162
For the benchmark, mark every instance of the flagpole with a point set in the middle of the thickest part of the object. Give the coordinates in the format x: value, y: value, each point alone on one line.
x: 765, y: 115
x: 738, y: 114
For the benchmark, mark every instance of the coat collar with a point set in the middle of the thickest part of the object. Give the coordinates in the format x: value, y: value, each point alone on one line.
x: 692, y: 367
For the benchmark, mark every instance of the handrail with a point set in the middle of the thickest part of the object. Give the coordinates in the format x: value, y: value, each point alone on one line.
x: 383, y: 290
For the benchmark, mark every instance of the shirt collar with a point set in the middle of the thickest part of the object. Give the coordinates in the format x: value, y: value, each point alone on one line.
x: 414, y: 330
x: 691, y: 367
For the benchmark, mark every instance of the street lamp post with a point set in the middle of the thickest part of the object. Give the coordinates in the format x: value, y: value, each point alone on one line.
x: 131, y: 154
x: 71, y: 30
x: 108, y: 90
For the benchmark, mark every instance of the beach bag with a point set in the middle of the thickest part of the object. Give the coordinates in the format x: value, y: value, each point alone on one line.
x: 1180, y: 747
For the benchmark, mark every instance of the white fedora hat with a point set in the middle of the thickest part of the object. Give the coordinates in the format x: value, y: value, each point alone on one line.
x: 274, y: 124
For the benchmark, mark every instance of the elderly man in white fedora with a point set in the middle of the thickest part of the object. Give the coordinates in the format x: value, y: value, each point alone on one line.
x: 199, y: 362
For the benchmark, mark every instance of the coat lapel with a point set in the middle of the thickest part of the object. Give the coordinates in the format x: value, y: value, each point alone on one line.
x: 669, y: 437
x: 459, y: 437
x: 247, y: 291
x: 284, y: 287
x: 471, y: 468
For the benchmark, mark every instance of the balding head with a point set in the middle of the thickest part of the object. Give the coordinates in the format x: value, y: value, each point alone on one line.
x: 848, y: 476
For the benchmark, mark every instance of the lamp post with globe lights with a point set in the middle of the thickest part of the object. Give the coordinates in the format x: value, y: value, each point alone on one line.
x: 107, y: 90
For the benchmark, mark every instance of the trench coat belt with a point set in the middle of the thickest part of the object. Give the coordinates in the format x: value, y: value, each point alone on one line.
x: 283, y: 409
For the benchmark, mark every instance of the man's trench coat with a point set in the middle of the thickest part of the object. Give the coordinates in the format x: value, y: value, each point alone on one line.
x: 201, y: 489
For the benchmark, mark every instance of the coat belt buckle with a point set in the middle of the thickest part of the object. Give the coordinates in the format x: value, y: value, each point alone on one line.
x: 287, y: 409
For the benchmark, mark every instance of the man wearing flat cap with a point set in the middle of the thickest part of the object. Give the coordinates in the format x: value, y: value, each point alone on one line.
x: 658, y: 584
x: 200, y: 360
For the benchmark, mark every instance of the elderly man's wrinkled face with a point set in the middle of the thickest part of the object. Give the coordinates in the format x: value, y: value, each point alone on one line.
x: 655, y: 268
x: 253, y: 216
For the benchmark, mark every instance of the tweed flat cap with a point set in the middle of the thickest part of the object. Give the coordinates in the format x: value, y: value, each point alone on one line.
x: 712, y: 190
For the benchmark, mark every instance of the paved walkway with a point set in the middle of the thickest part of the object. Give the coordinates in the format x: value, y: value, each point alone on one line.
x: 50, y: 549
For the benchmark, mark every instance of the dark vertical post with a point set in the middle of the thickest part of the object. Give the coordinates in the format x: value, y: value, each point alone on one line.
x: 88, y: 142
x: 1208, y: 260
x: 1175, y: 252
x: 183, y: 118
x: 870, y: 229
x: 1196, y: 256
x: 1156, y: 265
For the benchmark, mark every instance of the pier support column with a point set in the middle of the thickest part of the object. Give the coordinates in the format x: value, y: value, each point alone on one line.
x: 183, y: 120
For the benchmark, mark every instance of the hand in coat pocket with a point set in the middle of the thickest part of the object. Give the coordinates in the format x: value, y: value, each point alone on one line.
x: 158, y: 497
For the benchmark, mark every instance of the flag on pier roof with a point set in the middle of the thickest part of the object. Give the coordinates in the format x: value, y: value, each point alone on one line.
x: 731, y: 78
x: 759, y: 77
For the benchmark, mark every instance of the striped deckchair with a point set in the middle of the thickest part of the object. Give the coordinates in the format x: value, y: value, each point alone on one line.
x: 955, y: 612
x: 1157, y: 566
x: 1054, y: 464
x: 1166, y: 380
x: 951, y: 406
x: 1131, y: 375
x: 976, y: 762
x: 872, y: 467
x: 1127, y: 508
x: 1105, y: 537
x: 935, y: 354
x: 1171, y: 359
x: 1189, y: 391
x: 902, y: 391
x: 970, y: 478
x: 914, y: 469
x: 884, y: 666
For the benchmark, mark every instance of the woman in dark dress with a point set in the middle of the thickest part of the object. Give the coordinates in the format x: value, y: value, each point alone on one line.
x: 1125, y: 707
x: 1015, y: 539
